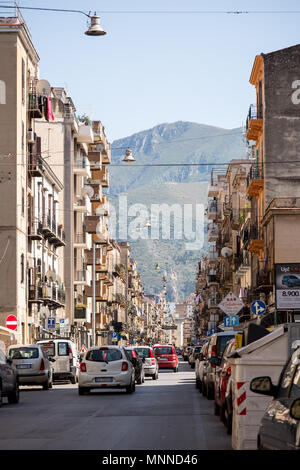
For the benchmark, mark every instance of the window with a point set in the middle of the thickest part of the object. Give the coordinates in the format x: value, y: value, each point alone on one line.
x: 143, y: 352
x: 24, y: 353
x: 163, y: 350
x: 49, y: 349
x: 104, y: 355
x: 2, y: 356
x: 287, y: 376
x: 22, y: 268
x: 63, y: 349
x: 295, y: 390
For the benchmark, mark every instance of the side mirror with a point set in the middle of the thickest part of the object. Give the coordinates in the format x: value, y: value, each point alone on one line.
x: 263, y: 385
x: 295, y: 409
x: 9, y: 360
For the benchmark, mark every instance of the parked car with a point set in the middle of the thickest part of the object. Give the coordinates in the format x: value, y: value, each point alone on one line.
x: 147, y: 355
x: 195, y: 351
x: 33, y: 365
x: 106, y: 367
x: 290, y: 280
x: 223, y: 400
x: 199, y: 366
x: 66, y: 358
x: 166, y: 356
x: 9, y: 382
x: 178, y: 351
x: 217, y: 343
x: 186, y: 353
x: 280, y: 425
x: 137, y: 364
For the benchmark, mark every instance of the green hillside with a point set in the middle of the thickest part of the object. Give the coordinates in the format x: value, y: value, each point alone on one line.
x: 180, y: 142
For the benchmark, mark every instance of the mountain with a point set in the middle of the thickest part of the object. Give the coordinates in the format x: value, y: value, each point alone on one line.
x: 186, y: 186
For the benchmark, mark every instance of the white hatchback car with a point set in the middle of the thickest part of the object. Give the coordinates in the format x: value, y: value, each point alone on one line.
x: 106, y: 367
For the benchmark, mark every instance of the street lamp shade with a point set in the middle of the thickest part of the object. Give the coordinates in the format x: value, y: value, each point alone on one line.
x: 128, y: 156
x: 95, y: 28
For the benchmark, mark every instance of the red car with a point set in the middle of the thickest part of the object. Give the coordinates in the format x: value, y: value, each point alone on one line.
x: 166, y: 356
x: 222, y: 376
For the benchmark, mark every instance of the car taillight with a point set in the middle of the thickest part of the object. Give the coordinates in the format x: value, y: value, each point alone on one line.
x: 70, y: 356
x: 83, y: 367
x: 152, y: 361
x: 214, y: 350
x: 124, y: 366
x: 229, y: 371
x: 42, y: 365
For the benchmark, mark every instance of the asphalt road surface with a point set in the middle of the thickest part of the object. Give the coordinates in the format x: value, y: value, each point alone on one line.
x: 167, y: 414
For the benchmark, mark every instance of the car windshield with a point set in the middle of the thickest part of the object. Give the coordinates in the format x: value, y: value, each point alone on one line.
x: 163, y: 350
x: 143, y: 352
x: 197, y: 349
x: 24, y: 353
x: 103, y: 355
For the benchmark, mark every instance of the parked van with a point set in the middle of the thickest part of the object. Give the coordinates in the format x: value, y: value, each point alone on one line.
x: 66, y: 357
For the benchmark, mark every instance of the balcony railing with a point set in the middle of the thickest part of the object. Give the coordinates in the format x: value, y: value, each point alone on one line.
x: 254, y: 122
x: 35, y: 230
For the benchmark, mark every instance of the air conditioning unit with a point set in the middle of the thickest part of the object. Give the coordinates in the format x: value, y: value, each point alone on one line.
x: 30, y: 136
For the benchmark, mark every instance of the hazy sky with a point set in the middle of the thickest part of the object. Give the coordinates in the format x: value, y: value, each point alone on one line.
x: 159, y: 67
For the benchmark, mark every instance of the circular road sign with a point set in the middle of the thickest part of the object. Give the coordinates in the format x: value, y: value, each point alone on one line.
x: 11, y: 322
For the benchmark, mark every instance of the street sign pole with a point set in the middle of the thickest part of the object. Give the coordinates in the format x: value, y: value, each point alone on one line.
x: 94, y: 296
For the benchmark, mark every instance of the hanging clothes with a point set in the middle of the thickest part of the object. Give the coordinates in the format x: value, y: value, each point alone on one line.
x: 50, y: 112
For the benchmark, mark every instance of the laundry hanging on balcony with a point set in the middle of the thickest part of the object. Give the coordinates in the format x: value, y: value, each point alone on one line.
x: 48, y: 113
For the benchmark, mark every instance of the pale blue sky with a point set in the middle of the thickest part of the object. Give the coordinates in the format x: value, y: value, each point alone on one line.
x: 154, y: 68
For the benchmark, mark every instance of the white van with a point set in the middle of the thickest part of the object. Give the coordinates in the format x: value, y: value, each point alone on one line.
x: 66, y: 357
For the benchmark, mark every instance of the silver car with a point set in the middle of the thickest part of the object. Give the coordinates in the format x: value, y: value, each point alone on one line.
x: 32, y: 365
x: 9, y: 384
x: 106, y: 367
x: 150, y: 362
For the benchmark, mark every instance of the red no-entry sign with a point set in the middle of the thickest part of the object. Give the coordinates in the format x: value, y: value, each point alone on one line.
x: 11, y: 322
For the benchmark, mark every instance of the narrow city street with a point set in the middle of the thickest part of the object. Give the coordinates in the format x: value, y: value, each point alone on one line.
x: 165, y: 414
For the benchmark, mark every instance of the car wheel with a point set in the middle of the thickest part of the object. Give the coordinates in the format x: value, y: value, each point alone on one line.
x: 129, y: 388
x: 222, y: 414
x: 1, y: 395
x: 197, y: 383
x: 204, y: 389
x: 210, y: 393
x: 193, y: 365
x: 216, y: 409
x: 73, y: 380
x: 140, y: 379
x: 14, y: 397
x: 200, y: 386
x: 46, y: 384
x: 83, y: 390
x: 155, y: 376
x: 50, y: 384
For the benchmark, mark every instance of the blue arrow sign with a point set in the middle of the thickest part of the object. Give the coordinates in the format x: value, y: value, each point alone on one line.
x: 51, y: 323
x: 232, y: 320
x: 258, y: 307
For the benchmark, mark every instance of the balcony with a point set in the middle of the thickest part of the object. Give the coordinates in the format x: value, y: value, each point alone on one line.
x: 35, y: 104
x: 106, y: 155
x: 85, y: 134
x: 57, y: 235
x: 82, y: 167
x: 255, y: 180
x: 212, y: 210
x: 82, y: 278
x: 35, y: 230
x: 100, y: 291
x: 256, y: 239
x: 89, y: 256
x: 254, y: 122
x: 212, y: 232
x: 213, y: 190
x: 80, y: 240
x: 212, y: 256
x: 242, y: 263
x: 82, y: 205
x: 92, y: 223
x: 95, y: 159
x: 35, y: 165
x: 51, y: 295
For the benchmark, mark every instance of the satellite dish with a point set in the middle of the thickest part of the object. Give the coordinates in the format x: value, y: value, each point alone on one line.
x: 226, y: 252
x: 50, y: 275
x: 43, y: 87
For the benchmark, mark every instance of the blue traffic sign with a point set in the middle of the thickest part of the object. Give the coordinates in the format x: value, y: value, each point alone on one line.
x: 114, y: 334
x: 51, y: 323
x: 258, y: 307
x: 232, y: 320
x: 211, y: 332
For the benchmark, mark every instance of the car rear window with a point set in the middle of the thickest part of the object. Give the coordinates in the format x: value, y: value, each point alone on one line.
x: 103, y: 355
x: 24, y: 353
x: 223, y: 340
x: 163, y: 350
x: 49, y: 349
x: 143, y: 352
x: 63, y: 349
x: 130, y: 353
